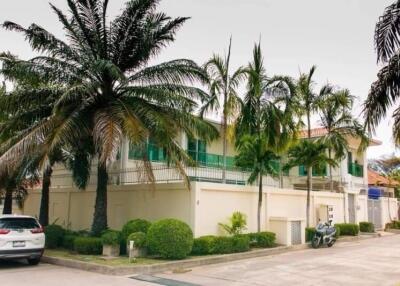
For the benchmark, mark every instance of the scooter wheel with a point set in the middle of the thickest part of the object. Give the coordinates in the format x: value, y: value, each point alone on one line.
x: 315, y: 242
x: 330, y: 244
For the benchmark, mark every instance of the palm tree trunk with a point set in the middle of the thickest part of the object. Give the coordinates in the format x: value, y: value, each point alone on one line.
x: 45, y: 199
x: 280, y: 173
x: 260, y: 189
x: 100, y: 208
x: 309, y: 187
x: 224, y: 143
x: 330, y: 171
x: 7, y: 209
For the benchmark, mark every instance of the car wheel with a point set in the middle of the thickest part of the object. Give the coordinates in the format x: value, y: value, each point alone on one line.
x: 33, y: 261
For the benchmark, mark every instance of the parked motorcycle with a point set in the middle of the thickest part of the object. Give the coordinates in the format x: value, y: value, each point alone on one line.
x: 324, y: 234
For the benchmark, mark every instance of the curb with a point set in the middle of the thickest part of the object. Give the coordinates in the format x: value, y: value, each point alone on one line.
x: 189, y: 263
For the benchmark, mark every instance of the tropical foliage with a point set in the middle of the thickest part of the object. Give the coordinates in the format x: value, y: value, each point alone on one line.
x: 385, y: 91
x: 309, y: 154
x: 108, y: 91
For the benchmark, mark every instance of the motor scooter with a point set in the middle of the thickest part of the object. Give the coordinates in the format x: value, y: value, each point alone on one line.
x: 325, y: 233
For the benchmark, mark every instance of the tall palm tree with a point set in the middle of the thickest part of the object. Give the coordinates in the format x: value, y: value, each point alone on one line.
x: 262, y: 128
x: 336, y: 118
x: 308, y: 98
x: 110, y: 91
x: 310, y: 154
x: 385, y: 90
x: 223, y: 85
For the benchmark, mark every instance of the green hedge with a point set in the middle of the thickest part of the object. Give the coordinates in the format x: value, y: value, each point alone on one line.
x: 220, y: 244
x: 348, y: 229
x: 393, y: 225
x: 203, y: 245
x: 68, y: 241
x: 54, y: 235
x: 111, y: 237
x: 170, y: 238
x: 262, y: 239
x: 88, y: 245
x: 367, y: 226
x: 310, y: 231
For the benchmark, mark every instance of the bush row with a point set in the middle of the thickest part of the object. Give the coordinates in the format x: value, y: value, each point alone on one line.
x: 394, y: 225
x: 231, y: 244
x: 367, y: 226
x: 348, y: 228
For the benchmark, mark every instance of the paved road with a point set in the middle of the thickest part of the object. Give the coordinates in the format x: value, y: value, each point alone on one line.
x: 368, y: 262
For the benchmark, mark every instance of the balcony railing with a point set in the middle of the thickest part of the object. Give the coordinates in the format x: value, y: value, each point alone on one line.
x: 356, y: 170
x: 164, y: 174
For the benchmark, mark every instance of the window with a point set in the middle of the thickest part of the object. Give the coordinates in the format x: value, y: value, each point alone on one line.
x: 18, y: 223
x: 197, y: 150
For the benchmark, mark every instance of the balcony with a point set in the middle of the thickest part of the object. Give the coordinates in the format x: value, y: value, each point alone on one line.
x: 356, y: 170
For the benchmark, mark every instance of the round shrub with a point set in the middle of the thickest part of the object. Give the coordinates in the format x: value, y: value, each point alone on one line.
x: 170, y: 238
x: 68, y: 241
x: 348, y: 229
x: 135, y: 225
x: 111, y: 238
x: 54, y: 235
x: 139, y: 238
x: 310, y: 231
x: 88, y: 245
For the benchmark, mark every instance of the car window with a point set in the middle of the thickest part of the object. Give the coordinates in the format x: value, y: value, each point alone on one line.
x: 18, y: 223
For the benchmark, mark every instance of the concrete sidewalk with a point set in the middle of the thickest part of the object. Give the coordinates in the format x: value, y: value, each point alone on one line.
x: 367, y: 262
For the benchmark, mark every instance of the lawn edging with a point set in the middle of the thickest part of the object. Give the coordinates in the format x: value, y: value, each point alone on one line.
x: 187, y: 263
x: 169, y: 265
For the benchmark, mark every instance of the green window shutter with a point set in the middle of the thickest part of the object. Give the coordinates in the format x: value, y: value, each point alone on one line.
x: 192, y: 148
x: 349, y: 162
x: 202, y: 152
x: 302, y: 171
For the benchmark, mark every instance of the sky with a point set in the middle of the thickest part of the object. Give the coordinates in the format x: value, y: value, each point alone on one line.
x: 336, y: 36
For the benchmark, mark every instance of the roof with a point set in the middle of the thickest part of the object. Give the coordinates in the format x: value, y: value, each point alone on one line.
x: 321, y: 131
x: 376, y: 179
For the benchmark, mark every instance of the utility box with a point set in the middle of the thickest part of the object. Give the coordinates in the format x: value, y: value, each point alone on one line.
x: 289, y: 231
x: 325, y: 213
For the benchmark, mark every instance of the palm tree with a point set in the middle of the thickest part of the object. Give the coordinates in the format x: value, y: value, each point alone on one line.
x: 223, y: 85
x: 110, y: 91
x: 336, y: 118
x: 308, y: 98
x: 262, y: 129
x: 385, y: 90
x: 311, y: 155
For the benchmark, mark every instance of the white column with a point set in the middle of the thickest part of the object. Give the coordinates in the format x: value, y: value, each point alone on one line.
x: 124, y: 157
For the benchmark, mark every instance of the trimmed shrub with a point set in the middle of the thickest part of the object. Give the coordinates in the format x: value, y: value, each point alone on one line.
x: 222, y: 245
x: 139, y: 238
x: 68, y: 241
x: 203, y: 245
x: 111, y: 238
x: 170, y: 238
x: 348, y: 229
x: 310, y: 231
x: 367, y: 226
x: 262, y: 239
x: 393, y: 225
x: 135, y: 225
x: 88, y: 245
x: 54, y: 235
x: 240, y: 243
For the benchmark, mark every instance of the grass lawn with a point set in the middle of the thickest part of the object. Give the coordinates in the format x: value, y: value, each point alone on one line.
x: 118, y: 261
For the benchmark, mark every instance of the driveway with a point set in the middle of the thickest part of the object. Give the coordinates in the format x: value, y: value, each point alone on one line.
x: 368, y: 262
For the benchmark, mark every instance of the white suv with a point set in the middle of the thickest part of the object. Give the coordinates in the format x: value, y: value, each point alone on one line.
x: 21, y: 237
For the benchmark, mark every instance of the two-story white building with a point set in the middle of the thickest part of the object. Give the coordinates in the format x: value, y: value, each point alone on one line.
x: 208, y: 200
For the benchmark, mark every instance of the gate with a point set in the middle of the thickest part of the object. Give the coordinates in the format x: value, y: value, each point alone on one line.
x: 374, y: 213
x: 296, y: 232
x: 352, y: 208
